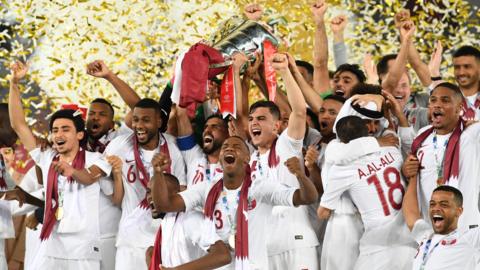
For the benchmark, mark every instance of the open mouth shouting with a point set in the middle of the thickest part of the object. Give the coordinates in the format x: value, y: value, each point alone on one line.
x: 339, y: 92
x: 207, y: 140
x: 229, y: 158
x: 256, y: 132
x: 438, y: 221
x: 60, y: 142
x: 323, y: 124
x: 141, y: 135
x: 437, y: 117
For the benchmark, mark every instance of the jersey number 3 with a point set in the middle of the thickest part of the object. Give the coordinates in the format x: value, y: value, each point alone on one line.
x: 388, y: 174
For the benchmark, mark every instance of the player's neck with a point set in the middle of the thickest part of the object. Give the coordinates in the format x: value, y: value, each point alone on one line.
x: 472, y: 90
x: 152, y: 144
x: 450, y: 229
x: 70, y: 155
x: 213, y: 157
x: 233, y: 180
x: 262, y: 149
x: 447, y: 129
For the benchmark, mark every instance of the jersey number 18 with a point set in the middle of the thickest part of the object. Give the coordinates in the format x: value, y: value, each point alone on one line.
x: 388, y: 173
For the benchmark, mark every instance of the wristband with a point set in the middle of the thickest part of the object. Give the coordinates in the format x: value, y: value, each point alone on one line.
x: 437, y: 78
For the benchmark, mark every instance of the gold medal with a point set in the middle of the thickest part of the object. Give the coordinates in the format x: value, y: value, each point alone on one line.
x: 231, y: 241
x: 59, y: 213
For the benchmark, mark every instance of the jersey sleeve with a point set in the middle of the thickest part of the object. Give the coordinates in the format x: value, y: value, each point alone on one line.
x: 178, y: 164
x: 273, y: 193
x: 288, y: 147
x: 96, y: 159
x: 115, y: 146
x: 199, y: 230
x: 190, y: 150
x: 340, y: 180
x: 123, y: 130
x: 421, y: 230
x: 29, y: 182
x: 41, y: 158
x: 407, y: 135
x: 343, y: 154
x: 195, y: 195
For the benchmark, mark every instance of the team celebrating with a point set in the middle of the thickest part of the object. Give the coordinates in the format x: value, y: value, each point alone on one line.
x: 342, y: 170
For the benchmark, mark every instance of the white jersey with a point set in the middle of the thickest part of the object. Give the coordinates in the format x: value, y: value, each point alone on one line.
x: 469, y: 170
x: 186, y: 237
x: 262, y: 195
x: 76, y: 235
x: 454, y: 251
x: 198, y: 169
x: 290, y: 228
x: 376, y: 187
x: 137, y: 227
x: 107, y: 138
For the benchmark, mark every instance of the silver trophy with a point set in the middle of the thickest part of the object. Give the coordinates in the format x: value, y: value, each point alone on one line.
x: 237, y: 34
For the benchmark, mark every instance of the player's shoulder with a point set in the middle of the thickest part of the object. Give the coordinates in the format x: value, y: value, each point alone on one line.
x: 120, y: 142
x: 423, y: 129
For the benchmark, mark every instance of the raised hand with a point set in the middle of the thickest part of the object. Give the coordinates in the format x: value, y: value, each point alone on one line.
x: 63, y: 168
x: 436, y: 60
x: 253, y: 11
x: 363, y: 100
x: 338, y: 24
x: 279, y: 62
x: 318, y: 9
x: 401, y: 16
x: 370, y: 69
x: 407, y: 30
x: 410, y: 166
x: 18, y: 71
x: 239, y: 59
x: 311, y: 156
x: 293, y: 165
x: 116, y: 163
x: 98, y: 69
x: 160, y: 162
x: 388, y: 140
x: 393, y: 104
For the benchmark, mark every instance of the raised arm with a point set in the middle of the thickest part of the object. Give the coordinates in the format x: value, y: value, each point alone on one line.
x: 410, y: 209
x: 15, y: 107
x: 307, y: 193
x: 298, y: 116
x: 321, y: 81
x: 99, y: 69
x: 399, y: 66
x: 311, y: 164
x: 312, y: 98
x: 118, y: 191
x: 338, y: 24
x: 184, y: 126
x: 162, y: 199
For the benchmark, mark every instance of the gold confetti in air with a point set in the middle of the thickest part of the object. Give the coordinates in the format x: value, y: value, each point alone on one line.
x: 140, y: 39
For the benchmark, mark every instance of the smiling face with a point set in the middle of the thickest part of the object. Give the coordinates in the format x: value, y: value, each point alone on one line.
x: 214, y: 134
x: 403, y: 90
x: 444, y: 109
x: 65, y: 137
x: 145, y: 123
x: 327, y: 115
x: 444, y: 212
x: 263, y: 127
x: 234, y: 156
x: 466, y: 70
x: 99, y: 120
x: 343, y: 83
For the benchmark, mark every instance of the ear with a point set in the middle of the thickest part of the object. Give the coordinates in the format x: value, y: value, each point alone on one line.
x: 459, y: 211
x: 80, y: 135
x: 277, y: 125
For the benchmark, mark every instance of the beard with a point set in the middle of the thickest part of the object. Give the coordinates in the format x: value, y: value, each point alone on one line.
x: 215, y: 146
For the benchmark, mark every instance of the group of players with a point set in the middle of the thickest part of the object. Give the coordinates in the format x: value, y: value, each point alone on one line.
x: 356, y: 172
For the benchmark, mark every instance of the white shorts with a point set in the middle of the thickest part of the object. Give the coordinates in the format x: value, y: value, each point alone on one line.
x: 108, y: 252
x: 129, y: 258
x: 3, y: 261
x: 341, y: 243
x: 63, y: 264
x: 295, y: 259
x: 393, y: 258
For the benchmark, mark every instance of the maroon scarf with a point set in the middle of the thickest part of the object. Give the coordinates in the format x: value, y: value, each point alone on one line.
x: 469, y: 112
x: 273, y: 159
x: 3, y: 183
x: 156, y: 259
x: 451, y: 155
x: 141, y: 172
x: 241, y: 236
x: 49, y: 219
x: 97, y: 146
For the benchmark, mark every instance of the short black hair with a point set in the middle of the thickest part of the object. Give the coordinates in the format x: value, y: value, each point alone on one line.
x: 272, y: 107
x: 365, y: 88
x: 104, y: 101
x: 350, y: 128
x: 8, y: 137
x: 382, y: 65
x: 240, y: 138
x: 338, y: 98
x: 305, y: 65
x: 467, y: 50
x: 457, y: 194
x: 314, y: 118
x: 172, y: 178
x: 453, y: 87
x: 148, y: 103
x: 353, y: 68
x: 74, y: 116
x: 218, y: 116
